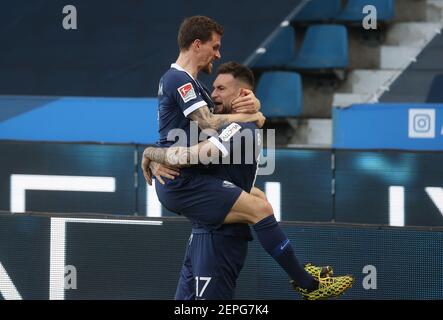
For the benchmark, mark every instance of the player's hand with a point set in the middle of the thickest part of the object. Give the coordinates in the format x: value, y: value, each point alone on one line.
x: 246, y: 102
x: 260, y: 119
x: 161, y: 171
x: 146, y: 172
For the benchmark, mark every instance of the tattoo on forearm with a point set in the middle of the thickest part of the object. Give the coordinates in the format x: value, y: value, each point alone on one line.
x: 172, y: 156
x: 207, y: 120
x: 155, y: 154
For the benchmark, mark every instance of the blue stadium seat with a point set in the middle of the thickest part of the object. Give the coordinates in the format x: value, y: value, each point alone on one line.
x: 435, y: 94
x: 353, y: 11
x: 279, y: 51
x: 324, y: 47
x: 319, y: 10
x: 280, y: 93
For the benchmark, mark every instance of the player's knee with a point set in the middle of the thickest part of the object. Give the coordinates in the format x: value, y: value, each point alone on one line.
x: 264, y: 210
x: 262, y: 195
x: 267, y: 208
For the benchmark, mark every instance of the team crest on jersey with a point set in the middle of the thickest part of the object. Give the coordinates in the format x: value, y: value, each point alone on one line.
x: 187, y: 92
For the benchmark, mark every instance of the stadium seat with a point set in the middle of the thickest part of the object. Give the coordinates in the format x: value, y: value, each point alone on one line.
x: 324, y: 47
x: 435, y: 94
x: 353, y: 10
x: 280, y: 93
x: 279, y: 51
x: 319, y: 10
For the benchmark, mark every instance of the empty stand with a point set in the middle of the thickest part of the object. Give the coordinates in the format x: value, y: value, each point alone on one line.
x: 279, y: 51
x: 280, y: 94
x: 324, y: 47
x: 319, y: 10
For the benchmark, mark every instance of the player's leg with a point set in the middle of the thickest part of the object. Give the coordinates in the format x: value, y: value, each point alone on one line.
x: 246, y: 210
x: 194, y: 196
x: 186, y: 284
x: 254, y: 210
x: 249, y: 209
x: 256, y: 192
x: 312, y: 282
x: 217, y: 265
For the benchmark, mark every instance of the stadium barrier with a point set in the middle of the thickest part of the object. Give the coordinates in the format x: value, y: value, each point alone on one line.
x: 78, y: 257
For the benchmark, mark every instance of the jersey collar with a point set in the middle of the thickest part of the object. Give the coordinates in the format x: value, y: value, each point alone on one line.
x: 178, y: 67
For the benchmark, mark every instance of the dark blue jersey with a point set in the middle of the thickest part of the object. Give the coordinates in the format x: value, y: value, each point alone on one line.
x: 244, y: 150
x: 178, y: 96
x: 243, y: 145
x: 218, y: 254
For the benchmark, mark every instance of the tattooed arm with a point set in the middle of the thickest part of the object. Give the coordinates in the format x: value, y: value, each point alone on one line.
x: 207, y: 120
x: 173, y: 156
x: 177, y: 157
x: 180, y: 157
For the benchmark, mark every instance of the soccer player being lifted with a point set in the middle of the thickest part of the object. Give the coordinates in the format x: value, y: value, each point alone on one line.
x: 197, y: 193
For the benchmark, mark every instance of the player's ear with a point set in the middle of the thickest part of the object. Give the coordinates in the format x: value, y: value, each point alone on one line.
x: 244, y: 92
x: 197, y: 43
x: 240, y: 93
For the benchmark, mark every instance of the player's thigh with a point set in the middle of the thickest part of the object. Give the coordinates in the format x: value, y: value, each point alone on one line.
x: 201, y: 198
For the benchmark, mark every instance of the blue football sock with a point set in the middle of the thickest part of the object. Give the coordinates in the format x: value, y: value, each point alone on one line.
x: 275, y: 242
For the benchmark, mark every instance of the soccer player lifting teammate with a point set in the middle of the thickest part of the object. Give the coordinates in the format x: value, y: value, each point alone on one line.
x: 197, y: 194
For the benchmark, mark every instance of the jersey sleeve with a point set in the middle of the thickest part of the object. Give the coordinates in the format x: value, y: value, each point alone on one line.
x: 186, y: 94
x: 224, y: 141
x: 240, y: 141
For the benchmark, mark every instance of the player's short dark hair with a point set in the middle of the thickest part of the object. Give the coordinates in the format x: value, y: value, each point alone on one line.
x: 197, y: 27
x: 238, y: 71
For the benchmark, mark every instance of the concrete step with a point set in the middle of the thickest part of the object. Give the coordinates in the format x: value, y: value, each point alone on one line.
x: 394, y: 57
x: 412, y: 34
x: 374, y: 68
x: 410, y: 10
x: 317, y: 99
x: 434, y: 11
x: 367, y: 81
x: 312, y: 132
x: 348, y: 99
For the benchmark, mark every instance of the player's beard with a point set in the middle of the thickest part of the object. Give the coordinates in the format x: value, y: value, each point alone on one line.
x: 207, y: 68
x: 222, y: 109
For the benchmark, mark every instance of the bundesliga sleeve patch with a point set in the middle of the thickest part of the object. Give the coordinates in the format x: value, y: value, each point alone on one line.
x: 187, y: 92
x: 229, y: 131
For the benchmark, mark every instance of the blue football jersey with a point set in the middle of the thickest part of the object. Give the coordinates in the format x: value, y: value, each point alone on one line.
x: 243, y: 143
x: 179, y: 95
x: 244, y: 146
